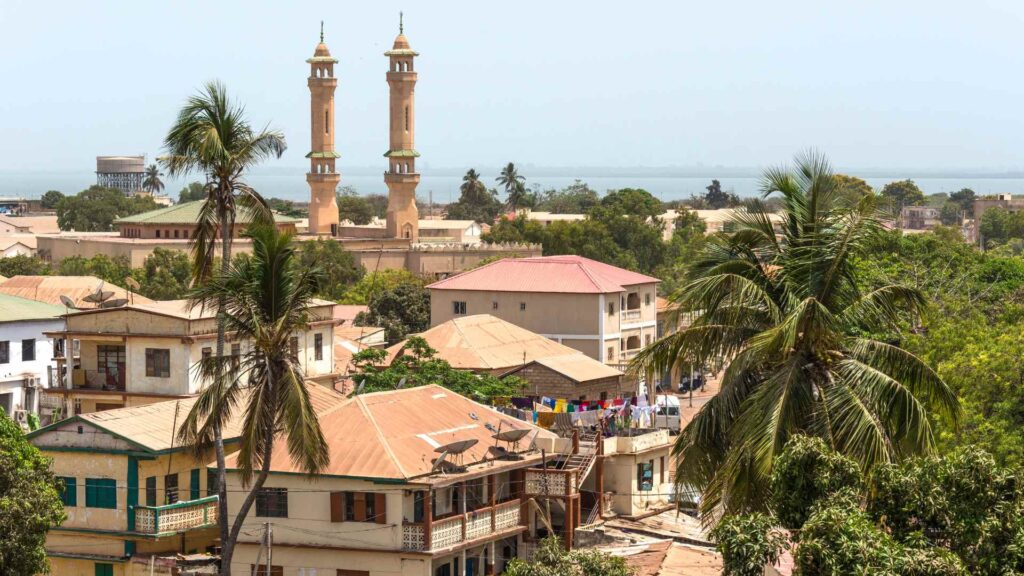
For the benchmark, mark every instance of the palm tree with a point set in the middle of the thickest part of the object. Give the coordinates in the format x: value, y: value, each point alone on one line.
x: 266, y: 298
x: 152, y: 183
x: 515, y: 189
x: 212, y: 136
x: 472, y: 189
x: 802, y: 342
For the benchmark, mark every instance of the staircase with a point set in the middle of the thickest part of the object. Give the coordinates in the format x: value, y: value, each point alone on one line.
x: 584, y: 460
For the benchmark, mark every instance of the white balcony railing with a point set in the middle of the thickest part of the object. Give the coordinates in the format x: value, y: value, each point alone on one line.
x: 631, y: 315
x: 178, y: 517
x: 454, y: 530
x: 553, y: 482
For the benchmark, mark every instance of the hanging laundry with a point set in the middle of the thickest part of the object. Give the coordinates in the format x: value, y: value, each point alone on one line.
x: 523, y: 403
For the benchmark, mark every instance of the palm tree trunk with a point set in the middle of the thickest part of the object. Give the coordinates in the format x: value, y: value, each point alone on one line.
x: 226, y: 541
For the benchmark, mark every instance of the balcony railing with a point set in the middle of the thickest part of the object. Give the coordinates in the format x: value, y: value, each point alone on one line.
x: 460, y: 528
x: 176, y: 518
x: 551, y: 482
x: 631, y: 315
x: 99, y: 379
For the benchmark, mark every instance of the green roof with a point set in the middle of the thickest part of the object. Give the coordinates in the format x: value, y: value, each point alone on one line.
x: 13, y: 309
x: 401, y: 154
x: 186, y: 213
x: 323, y: 155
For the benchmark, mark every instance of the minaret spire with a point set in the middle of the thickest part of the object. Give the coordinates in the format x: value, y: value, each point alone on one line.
x: 321, y: 31
x: 401, y: 26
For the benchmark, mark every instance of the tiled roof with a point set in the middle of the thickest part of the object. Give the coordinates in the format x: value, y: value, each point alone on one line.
x: 187, y: 213
x: 559, y: 274
x: 484, y: 342
x: 392, y: 435
x: 14, y: 309
x: 49, y: 289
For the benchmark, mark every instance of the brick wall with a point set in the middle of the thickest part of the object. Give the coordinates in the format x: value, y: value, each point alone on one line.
x: 544, y: 381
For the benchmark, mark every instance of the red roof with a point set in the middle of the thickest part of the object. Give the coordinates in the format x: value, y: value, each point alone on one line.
x: 562, y: 274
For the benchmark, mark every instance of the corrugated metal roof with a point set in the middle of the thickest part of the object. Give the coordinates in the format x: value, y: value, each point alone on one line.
x: 579, y: 367
x: 49, y: 289
x: 392, y: 435
x: 188, y: 213
x: 15, y: 309
x: 561, y: 274
x: 484, y: 342
x: 34, y: 224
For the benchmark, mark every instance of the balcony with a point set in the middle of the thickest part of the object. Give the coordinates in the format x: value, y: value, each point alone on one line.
x: 176, y: 518
x: 551, y: 482
x: 455, y: 530
x: 631, y: 315
x: 99, y: 379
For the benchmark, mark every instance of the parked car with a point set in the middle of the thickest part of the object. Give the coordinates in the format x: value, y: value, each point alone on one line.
x: 685, y: 384
x: 668, y: 416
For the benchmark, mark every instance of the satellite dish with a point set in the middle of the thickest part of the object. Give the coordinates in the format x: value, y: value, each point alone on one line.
x: 115, y: 303
x: 359, y: 389
x: 132, y: 283
x: 67, y: 302
x: 474, y: 416
x: 491, y: 427
x: 99, y: 296
x: 513, y: 435
x: 457, y: 447
x: 439, y: 463
x: 401, y: 383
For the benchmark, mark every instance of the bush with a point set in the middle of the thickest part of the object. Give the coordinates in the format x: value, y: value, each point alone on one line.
x: 748, y: 543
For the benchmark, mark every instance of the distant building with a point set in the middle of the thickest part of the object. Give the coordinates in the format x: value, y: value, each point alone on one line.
x: 26, y: 352
x: 13, y: 206
x: 920, y: 217
x: 49, y: 289
x: 125, y: 173
x: 606, y: 312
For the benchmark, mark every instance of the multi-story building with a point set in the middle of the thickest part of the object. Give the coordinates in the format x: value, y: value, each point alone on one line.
x: 919, y: 217
x: 606, y: 312
x: 142, y: 353
x: 135, y: 497
x: 26, y: 352
x: 417, y: 485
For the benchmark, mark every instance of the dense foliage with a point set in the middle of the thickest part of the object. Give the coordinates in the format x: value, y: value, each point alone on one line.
x: 475, y: 202
x: 748, y: 543
x: 400, y: 309
x: 30, y: 503
x: 417, y: 365
x: 338, y: 266
x: 576, y: 198
x: 357, y: 209
x: 551, y: 559
x: 95, y: 209
x: 50, y: 199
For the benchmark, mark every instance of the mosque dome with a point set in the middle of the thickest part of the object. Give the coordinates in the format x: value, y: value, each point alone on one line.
x: 321, y: 50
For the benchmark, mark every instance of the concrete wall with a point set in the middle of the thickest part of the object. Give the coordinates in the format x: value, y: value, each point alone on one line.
x: 551, y: 314
x: 14, y: 373
x: 55, y: 248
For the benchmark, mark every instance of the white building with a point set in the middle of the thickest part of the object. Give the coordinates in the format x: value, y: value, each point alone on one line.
x: 26, y: 353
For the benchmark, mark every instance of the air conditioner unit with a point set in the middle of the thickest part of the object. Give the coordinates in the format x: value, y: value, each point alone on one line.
x: 31, y: 382
x: 21, y: 416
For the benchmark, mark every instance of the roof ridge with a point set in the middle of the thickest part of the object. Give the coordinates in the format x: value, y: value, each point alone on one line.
x: 465, y: 272
x: 380, y: 436
x: 593, y: 280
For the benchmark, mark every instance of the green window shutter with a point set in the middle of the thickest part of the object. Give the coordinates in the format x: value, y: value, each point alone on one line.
x: 193, y: 486
x: 100, y: 493
x: 151, y: 491
x: 104, y: 569
x: 69, y: 495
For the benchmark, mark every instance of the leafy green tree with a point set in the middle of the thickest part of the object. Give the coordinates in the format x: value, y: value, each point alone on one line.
x: 805, y: 473
x: 576, y: 198
x: 30, y: 503
x: 418, y: 366
x: 950, y: 214
x: 339, y: 267
x: 516, y: 230
x: 476, y: 202
x: 194, y: 191
x: 96, y: 208
x: 21, y: 265
x: 632, y: 218
x: 516, y: 196
x: 51, y: 199
x: 964, y: 198
x: 998, y: 226
x: 551, y: 559
x: 287, y: 208
x: 165, y: 275
x: 353, y: 207
x: 212, y: 136
x: 111, y: 270
x: 748, y: 543
x: 372, y: 282
x: 401, y: 309
x: 716, y: 198
x: 266, y: 300
x: 152, y: 182
x: 902, y: 193
x: 802, y: 343
x: 850, y: 189
x: 688, y: 239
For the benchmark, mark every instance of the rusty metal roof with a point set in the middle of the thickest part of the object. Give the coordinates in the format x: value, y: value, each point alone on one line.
x: 49, y: 289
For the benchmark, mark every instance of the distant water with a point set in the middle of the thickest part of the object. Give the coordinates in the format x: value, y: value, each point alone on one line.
x: 290, y: 183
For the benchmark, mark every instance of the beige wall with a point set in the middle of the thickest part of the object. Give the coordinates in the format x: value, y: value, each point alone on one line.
x: 56, y: 248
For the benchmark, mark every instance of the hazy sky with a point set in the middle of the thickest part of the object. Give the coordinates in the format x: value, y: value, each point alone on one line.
x: 922, y: 84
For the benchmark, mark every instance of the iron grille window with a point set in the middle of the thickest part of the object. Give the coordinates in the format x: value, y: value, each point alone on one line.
x: 158, y: 362
x: 272, y: 503
x: 5, y: 352
x: 28, y: 350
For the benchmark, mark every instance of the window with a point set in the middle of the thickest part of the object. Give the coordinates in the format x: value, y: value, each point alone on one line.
x: 207, y: 352
x: 661, y: 469
x: 293, y: 346
x: 69, y: 490
x: 359, y: 507
x: 645, y: 476
x: 158, y: 362
x: 318, y: 346
x: 261, y: 570
x: 647, y: 299
x: 104, y: 569
x: 236, y: 355
x: 28, y: 350
x: 211, y: 482
x: 5, y: 352
x: 417, y: 506
x: 176, y: 232
x: 185, y: 234
x: 157, y: 233
x: 459, y: 307
x: 406, y: 118
x: 193, y: 484
x: 327, y: 122
x: 100, y: 493
x: 494, y: 305
x: 647, y: 339
x: 611, y: 353
x: 522, y: 306
x: 611, y: 308
x: 151, y: 491
x: 272, y: 503
x: 170, y: 489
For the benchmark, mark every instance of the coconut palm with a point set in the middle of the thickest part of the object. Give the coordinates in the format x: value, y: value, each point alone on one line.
x: 472, y: 189
x: 212, y: 136
x: 515, y: 187
x: 152, y: 182
x: 802, y: 342
x: 266, y: 298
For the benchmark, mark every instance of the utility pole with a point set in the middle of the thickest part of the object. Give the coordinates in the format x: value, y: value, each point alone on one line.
x: 270, y: 547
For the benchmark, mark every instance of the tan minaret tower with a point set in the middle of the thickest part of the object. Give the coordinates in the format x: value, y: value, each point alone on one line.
x: 323, y: 178
x: 401, y: 177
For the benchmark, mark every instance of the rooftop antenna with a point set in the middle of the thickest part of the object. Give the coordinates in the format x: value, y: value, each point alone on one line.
x: 133, y: 286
